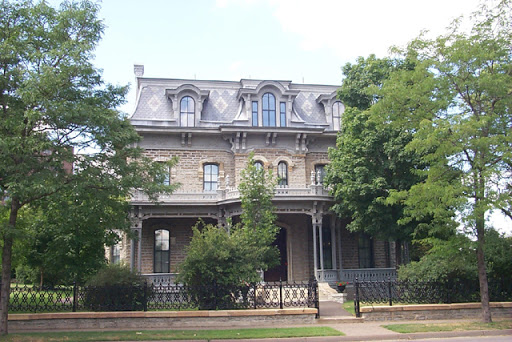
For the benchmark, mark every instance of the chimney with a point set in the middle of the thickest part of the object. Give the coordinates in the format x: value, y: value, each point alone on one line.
x: 138, y: 70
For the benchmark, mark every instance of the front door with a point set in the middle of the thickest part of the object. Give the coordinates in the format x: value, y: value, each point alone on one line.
x: 280, y: 272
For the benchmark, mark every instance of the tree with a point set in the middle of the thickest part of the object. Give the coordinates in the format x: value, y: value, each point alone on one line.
x: 54, y: 106
x: 230, y: 258
x: 370, y: 159
x: 466, y: 140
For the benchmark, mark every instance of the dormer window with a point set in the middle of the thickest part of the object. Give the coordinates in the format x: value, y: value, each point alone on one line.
x: 269, y: 110
x: 187, y: 111
x: 337, y: 109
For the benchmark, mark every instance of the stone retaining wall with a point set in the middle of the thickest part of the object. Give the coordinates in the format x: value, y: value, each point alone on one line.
x: 433, y: 311
x: 159, y: 319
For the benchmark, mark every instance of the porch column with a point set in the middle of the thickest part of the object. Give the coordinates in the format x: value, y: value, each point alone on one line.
x: 316, y: 220
x: 333, y: 242
x: 136, y: 228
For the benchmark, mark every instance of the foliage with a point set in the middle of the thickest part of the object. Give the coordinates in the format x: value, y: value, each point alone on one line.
x: 59, y: 128
x: 231, y: 258
x: 115, y: 287
x: 455, y: 259
x: 370, y: 159
x: 466, y: 138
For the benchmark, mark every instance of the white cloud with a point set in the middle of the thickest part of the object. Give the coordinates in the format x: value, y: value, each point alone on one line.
x: 358, y: 28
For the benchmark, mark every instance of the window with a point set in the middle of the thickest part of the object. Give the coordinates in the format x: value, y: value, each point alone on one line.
x: 326, y: 243
x: 255, y: 113
x: 115, y: 256
x: 269, y: 110
x: 210, y: 177
x: 161, y: 257
x: 282, y: 107
x: 258, y: 165
x: 365, y: 251
x: 337, y: 109
x: 282, y: 174
x: 187, y: 110
x: 319, y: 173
x: 166, y: 177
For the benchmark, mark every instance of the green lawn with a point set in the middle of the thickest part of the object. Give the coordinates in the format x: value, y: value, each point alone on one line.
x: 437, y: 327
x: 170, y: 335
x: 349, y: 306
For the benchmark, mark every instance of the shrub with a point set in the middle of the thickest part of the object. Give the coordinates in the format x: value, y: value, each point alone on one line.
x: 116, y: 288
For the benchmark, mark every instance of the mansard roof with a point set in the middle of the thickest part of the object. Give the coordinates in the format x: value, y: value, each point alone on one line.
x: 228, y: 103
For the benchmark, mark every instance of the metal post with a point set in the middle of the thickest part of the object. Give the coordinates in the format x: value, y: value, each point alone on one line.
x: 74, y: 297
x: 255, y: 296
x: 389, y: 292
x: 356, y: 299
x: 280, y: 293
x: 145, y: 302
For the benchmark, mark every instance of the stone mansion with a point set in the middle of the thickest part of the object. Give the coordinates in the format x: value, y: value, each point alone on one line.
x: 212, y: 126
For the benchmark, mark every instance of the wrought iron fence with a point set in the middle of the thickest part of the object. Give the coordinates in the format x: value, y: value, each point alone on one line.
x: 146, y: 296
x: 412, y: 292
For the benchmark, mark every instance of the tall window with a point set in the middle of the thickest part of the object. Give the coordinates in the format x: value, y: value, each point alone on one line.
x: 255, y: 113
x: 282, y: 111
x: 269, y: 110
x: 326, y: 243
x: 258, y: 165
x: 319, y: 173
x: 115, y: 257
x: 187, y: 110
x: 365, y: 251
x: 210, y: 177
x: 282, y: 174
x: 162, y: 256
x: 337, y: 109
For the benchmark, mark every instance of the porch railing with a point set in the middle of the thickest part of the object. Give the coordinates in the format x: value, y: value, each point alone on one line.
x: 158, y: 279
x: 330, y: 276
x: 367, y: 274
x: 229, y: 194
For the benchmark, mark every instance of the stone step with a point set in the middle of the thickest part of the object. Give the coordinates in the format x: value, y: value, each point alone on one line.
x: 341, y: 319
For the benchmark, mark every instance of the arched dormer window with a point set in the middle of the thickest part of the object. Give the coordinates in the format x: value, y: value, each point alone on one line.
x: 269, y: 110
x: 162, y: 251
x: 187, y: 111
x: 282, y: 174
x: 337, y: 110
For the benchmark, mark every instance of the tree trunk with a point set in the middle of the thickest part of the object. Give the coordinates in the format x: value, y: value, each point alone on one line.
x: 482, y: 272
x: 6, y: 267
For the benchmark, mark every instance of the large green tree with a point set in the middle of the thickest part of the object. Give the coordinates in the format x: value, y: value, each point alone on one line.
x: 370, y: 159
x: 464, y: 128
x: 54, y: 106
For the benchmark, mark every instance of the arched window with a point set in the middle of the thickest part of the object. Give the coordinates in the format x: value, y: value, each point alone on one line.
x: 269, y: 110
x: 210, y: 177
x: 187, y: 111
x: 337, y: 109
x: 258, y: 165
x: 282, y: 174
x: 162, y: 251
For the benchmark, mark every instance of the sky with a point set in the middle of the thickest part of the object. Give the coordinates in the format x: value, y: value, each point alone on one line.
x: 296, y: 40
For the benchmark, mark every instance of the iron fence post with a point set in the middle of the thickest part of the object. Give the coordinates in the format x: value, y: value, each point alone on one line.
x: 74, y: 297
x: 255, y: 295
x: 280, y: 293
x: 145, y: 298
x: 389, y: 292
x: 356, y: 299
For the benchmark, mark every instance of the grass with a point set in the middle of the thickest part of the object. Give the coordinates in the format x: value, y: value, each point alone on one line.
x: 438, y: 327
x: 170, y: 335
x: 349, y: 306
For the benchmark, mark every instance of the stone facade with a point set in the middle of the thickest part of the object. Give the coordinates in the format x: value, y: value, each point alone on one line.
x: 211, y: 127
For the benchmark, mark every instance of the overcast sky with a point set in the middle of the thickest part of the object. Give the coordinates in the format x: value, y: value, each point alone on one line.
x: 296, y: 40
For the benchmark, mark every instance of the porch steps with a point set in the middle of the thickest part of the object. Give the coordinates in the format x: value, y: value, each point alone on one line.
x: 326, y: 292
